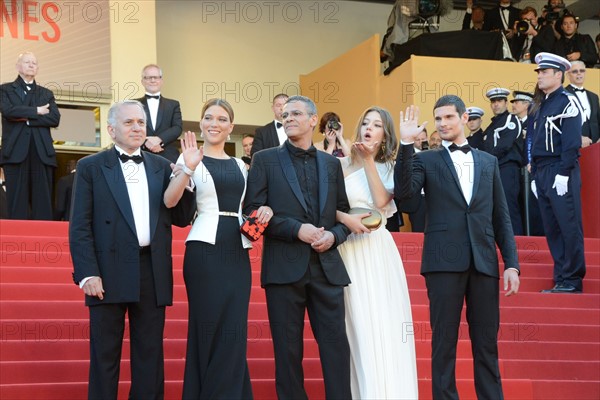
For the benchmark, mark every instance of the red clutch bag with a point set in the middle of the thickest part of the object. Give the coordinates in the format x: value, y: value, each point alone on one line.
x: 251, y: 228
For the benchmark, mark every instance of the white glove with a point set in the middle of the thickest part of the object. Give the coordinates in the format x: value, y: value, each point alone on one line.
x: 534, y: 189
x: 561, y: 184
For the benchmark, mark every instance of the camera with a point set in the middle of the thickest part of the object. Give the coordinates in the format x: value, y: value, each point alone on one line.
x: 332, y: 124
x: 523, y: 26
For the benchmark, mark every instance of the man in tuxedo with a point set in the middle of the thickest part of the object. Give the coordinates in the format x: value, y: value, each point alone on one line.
x: 120, y: 240
x: 575, y: 46
x: 467, y: 217
x: 64, y: 191
x: 590, y: 105
x: 504, y: 139
x: 272, y: 134
x: 474, y: 16
x: 502, y: 18
x: 163, y: 115
x: 301, y: 267
x: 555, y: 140
x: 28, y: 112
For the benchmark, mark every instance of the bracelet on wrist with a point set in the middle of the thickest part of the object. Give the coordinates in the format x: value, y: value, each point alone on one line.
x: 188, y: 171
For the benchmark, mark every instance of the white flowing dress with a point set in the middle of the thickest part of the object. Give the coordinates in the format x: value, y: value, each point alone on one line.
x: 378, y: 312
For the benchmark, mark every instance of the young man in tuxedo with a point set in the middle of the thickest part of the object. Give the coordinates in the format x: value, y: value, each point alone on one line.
x: 28, y: 156
x: 163, y: 115
x: 272, y: 134
x: 301, y: 267
x: 120, y: 240
x: 467, y: 217
x: 590, y: 129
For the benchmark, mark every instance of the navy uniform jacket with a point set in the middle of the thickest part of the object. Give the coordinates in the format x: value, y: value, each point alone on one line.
x: 554, y: 132
x: 504, y: 139
x: 476, y: 139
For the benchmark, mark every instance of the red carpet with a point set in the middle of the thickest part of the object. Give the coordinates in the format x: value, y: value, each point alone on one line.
x: 549, y: 343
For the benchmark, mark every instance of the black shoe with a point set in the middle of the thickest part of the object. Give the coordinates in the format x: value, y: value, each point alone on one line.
x: 550, y: 290
x: 565, y: 288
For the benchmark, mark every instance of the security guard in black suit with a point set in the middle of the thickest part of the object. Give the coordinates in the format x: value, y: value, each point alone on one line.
x: 555, y: 141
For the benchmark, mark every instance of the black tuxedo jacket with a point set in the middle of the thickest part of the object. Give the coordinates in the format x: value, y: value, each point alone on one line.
x: 456, y: 231
x: 64, y: 189
x: 102, y: 233
x: 16, y: 133
x: 581, y: 43
x: 591, y: 127
x: 493, y: 20
x: 272, y: 181
x: 168, y: 127
x: 265, y: 137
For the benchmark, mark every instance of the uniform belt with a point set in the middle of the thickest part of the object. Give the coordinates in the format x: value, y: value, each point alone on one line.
x: 229, y: 214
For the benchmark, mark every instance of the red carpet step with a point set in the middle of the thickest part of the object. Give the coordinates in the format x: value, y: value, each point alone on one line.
x: 549, y: 343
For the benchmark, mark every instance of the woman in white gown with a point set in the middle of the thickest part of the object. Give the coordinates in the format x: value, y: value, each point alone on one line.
x: 378, y: 312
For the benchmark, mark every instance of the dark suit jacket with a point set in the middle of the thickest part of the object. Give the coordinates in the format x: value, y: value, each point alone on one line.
x: 591, y: 127
x: 272, y: 181
x: 64, y: 189
x: 456, y: 231
x: 102, y: 233
x: 169, y: 125
x: 581, y: 43
x: 265, y: 137
x: 16, y: 133
x: 493, y: 21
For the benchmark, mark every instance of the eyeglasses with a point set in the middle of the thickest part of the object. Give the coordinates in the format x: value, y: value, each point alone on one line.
x: 152, y: 78
x: 578, y: 71
x: 294, y: 114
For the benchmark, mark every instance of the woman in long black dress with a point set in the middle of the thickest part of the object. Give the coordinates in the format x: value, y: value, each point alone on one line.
x: 216, y: 264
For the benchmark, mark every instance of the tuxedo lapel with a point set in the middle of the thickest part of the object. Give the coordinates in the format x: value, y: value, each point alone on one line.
x: 153, y: 175
x: 477, y: 170
x: 113, y: 174
x: 323, y: 178
x: 149, y: 127
x: 160, y: 113
x: 290, y: 174
x: 18, y: 94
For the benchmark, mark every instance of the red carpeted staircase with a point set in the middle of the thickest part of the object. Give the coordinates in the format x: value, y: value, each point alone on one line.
x: 549, y: 343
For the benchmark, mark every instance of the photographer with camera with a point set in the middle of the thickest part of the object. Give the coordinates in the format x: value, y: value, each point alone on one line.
x: 524, y: 47
x: 572, y: 45
x: 333, y: 141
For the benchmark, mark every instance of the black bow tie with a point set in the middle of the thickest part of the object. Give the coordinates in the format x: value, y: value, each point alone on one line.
x: 465, y: 149
x: 149, y: 96
x: 124, y: 157
x: 278, y: 125
x: 311, y: 152
x: 502, y: 8
x: 578, y: 90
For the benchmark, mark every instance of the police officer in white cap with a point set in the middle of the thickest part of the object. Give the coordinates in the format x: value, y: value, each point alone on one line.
x: 555, y: 137
x: 532, y: 220
x: 503, y: 138
x: 475, y: 138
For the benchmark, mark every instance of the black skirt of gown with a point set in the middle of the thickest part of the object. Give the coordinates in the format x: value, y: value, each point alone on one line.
x: 218, y: 281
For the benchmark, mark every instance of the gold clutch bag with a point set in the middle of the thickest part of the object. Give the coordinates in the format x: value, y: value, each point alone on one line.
x: 373, y: 221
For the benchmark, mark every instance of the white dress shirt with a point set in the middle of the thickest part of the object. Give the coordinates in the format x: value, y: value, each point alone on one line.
x: 585, y: 103
x: 464, y: 166
x: 280, y: 132
x: 153, y: 108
